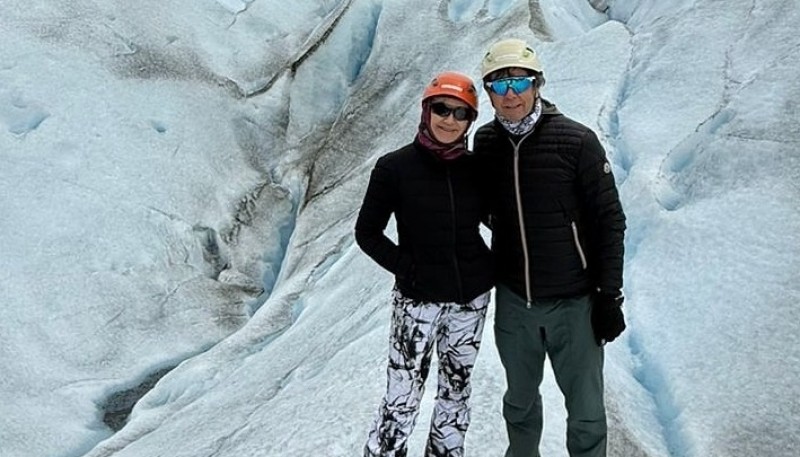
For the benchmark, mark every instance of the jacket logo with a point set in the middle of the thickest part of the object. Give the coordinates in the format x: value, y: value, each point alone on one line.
x: 606, y: 168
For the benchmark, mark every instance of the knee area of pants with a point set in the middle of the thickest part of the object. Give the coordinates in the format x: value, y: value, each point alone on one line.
x: 454, y: 387
x: 589, y: 424
x: 407, y: 408
x: 517, y: 413
x: 453, y: 396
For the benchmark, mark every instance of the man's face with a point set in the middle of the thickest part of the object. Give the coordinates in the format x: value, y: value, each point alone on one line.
x: 512, y: 106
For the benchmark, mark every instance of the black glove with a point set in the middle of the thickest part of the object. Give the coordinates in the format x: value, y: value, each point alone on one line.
x: 607, y: 319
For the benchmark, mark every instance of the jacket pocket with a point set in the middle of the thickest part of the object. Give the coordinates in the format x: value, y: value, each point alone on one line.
x: 577, y: 240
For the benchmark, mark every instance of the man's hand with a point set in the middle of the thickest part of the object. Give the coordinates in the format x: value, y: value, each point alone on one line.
x: 607, y: 318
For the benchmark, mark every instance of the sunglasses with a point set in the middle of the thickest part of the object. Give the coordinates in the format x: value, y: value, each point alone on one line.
x: 518, y: 84
x: 461, y: 113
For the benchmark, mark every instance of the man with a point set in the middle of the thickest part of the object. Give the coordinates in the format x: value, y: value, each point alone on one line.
x: 557, y: 236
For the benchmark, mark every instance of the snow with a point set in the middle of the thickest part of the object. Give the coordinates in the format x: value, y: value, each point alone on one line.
x: 180, y: 182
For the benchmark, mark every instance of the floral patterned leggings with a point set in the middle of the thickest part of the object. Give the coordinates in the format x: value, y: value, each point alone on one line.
x: 456, y: 330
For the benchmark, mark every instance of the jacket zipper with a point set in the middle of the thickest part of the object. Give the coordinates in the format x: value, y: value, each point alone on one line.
x: 578, y: 244
x: 455, y: 233
x: 521, y: 219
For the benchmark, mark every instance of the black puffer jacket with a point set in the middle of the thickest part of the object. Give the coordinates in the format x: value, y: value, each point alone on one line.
x: 438, y: 206
x: 557, y: 222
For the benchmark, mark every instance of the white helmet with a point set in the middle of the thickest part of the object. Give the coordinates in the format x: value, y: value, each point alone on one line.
x: 507, y: 53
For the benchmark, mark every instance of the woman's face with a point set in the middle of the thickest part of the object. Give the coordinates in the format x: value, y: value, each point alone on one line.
x: 445, y: 127
x: 512, y: 106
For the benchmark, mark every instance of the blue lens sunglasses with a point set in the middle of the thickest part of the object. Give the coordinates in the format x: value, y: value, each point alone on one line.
x: 518, y: 84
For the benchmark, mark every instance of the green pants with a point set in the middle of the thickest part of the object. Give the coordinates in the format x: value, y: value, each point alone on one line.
x: 562, y: 330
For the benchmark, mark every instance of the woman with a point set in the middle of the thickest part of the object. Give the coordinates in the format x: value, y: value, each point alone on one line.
x: 442, y: 268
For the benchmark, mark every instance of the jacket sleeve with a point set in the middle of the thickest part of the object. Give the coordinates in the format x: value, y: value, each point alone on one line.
x: 483, y: 155
x: 605, y: 217
x: 380, y: 201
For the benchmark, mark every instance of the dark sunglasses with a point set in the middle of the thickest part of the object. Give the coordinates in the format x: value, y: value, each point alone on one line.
x: 518, y: 84
x: 461, y: 113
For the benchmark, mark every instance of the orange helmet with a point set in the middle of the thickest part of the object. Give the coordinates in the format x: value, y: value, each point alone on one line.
x: 453, y: 84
